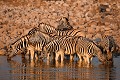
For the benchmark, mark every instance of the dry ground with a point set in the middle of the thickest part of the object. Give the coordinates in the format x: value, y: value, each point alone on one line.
x: 94, y: 17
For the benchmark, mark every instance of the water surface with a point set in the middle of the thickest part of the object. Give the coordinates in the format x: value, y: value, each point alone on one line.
x: 21, y: 69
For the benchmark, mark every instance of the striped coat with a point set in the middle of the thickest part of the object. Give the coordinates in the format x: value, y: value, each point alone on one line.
x: 84, y: 48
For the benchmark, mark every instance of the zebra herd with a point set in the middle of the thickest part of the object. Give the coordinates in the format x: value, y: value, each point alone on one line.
x: 45, y: 41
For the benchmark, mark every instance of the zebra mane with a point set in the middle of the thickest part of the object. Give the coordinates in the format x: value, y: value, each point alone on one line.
x: 33, y: 31
x: 18, y: 39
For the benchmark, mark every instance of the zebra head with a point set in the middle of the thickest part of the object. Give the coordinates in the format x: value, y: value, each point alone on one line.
x: 9, y: 48
x: 102, y: 57
x: 105, y: 58
x: 64, y: 24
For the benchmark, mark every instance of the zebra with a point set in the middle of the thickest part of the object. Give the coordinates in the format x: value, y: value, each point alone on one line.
x: 46, y: 28
x: 31, y: 42
x: 83, y: 47
x: 36, y: 43
x: 42, y: 29
x: 18, y: 45
x: 51, y: 31
x: 64, y: 24
x: 108, y: 44
x: 55, y: 46
x: 87, y: 49
x: 73, y: 32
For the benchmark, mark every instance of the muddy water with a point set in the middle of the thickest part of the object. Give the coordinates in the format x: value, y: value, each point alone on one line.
x: 18, y: 69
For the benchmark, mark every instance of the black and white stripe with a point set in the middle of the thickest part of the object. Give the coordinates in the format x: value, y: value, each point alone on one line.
x: 46, y: 28
x: 20, y: 44
x: 84, y: 48
x: 50, y: 30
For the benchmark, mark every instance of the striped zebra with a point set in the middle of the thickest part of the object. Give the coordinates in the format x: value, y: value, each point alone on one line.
x: 87, y: 49
x: 51, y: 31
x: 70, y: 45
x: 19, y: 44
x: 64, y: 24
x: 73, y: 32
x: 37, y: 42
x: 46, y: 28
x: 108, y: 44
x: 31, y: 42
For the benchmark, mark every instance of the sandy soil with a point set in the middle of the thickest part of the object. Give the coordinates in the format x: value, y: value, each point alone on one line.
x: 94, y: 17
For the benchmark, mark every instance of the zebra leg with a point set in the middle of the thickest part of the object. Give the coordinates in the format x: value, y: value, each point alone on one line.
x: 91, y: 59
x: 48, y: 56
x: 61, y: 53
x: 53, y: 56
x: 31, y: 54
x: 88, y: 58
x: 27, y: 55
x: 62, y: 56
x: 80, y: 57
x: 57, y: 56
x: 84, y: 58
x: 30, y: 50
x: 36, y: 55
x: 71, y: 57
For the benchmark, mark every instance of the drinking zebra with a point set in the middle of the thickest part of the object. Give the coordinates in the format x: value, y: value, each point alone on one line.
x: 83, y: 47
x: 109, y: 46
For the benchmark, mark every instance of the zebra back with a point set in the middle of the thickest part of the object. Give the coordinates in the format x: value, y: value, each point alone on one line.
x: 46, y: 28
x: 53, y: 45
x: 73, y: 32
